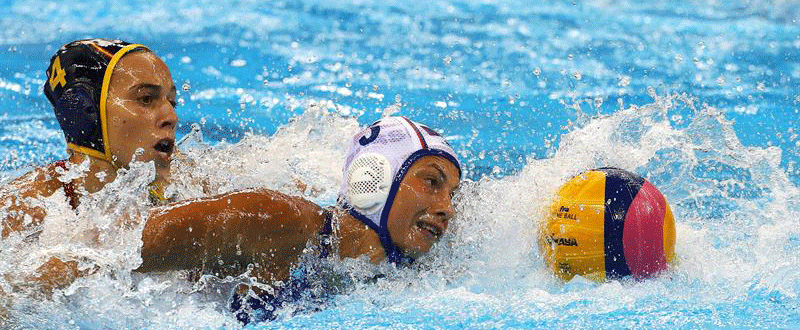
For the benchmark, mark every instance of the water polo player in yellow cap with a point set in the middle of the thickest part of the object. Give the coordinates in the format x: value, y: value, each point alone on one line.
x: 110, y: 98
x: 395, y: 203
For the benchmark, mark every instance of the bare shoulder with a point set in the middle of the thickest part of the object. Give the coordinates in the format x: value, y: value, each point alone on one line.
x: 16, y: 213
x: 40, y: 182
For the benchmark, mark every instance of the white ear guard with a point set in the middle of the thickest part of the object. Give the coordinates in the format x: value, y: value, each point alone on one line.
x: 370, y: 180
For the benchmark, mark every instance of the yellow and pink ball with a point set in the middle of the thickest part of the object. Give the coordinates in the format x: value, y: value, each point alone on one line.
x: 608, y: 223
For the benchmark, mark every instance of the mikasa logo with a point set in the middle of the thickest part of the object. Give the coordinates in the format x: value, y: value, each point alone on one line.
x: 563, y: 241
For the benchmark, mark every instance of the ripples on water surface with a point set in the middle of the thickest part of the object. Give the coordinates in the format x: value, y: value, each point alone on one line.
x: 701, y: 97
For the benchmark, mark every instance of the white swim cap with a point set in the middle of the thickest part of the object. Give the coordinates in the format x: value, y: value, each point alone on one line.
x: 379, y: 158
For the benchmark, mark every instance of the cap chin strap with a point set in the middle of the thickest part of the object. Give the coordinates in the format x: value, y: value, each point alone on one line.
x: 92, y: 154
x: 393, y: 253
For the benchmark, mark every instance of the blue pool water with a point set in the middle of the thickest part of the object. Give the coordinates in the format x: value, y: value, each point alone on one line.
x: 701, y: 97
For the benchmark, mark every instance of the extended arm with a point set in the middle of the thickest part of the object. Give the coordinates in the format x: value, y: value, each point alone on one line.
x: 228, y: 232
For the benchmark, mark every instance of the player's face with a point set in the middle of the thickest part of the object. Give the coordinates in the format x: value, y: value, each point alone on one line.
x: 141, y: 111
x: 423, y: 206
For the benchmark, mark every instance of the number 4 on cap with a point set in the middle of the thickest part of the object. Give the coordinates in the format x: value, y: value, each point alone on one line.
x: 57, y: 75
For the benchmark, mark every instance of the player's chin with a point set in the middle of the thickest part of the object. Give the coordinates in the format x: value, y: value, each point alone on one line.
x: 419, y: 249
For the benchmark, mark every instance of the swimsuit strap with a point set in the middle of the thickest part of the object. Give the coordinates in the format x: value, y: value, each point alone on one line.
x: 326, y: 235
x: 69, y: 187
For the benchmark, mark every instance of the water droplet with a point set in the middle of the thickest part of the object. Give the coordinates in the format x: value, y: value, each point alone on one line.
x: 598, y: 102
x: 651, y: 91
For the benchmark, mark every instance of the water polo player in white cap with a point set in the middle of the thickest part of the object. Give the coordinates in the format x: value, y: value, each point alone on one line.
x: 110, y: 98
x: 395, y: 203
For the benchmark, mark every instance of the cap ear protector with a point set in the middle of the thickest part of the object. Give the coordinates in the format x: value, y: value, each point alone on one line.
x: 78, y: 113
x: 370, y: 178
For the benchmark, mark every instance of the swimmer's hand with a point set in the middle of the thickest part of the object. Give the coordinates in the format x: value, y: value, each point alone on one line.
x: 57, y: 274
x: 304, y: 188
